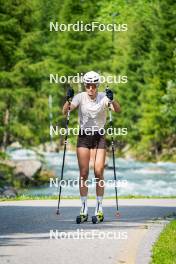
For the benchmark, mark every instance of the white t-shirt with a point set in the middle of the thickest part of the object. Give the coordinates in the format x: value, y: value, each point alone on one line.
x: 92, y: 112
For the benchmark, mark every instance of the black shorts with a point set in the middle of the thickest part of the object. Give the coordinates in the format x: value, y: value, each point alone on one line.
x: 91, y: 141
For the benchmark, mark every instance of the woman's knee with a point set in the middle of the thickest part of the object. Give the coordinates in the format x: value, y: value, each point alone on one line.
x: 84, y: 174
x: 99, y: 173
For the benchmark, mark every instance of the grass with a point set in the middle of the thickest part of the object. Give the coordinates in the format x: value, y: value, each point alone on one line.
x: 164, y: 250
x: 55, y: 197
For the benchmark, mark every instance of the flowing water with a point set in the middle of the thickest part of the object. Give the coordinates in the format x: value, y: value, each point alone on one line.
x: 134, y: 177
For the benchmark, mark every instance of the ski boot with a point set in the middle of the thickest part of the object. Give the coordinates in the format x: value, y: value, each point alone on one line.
x: 99, y: 217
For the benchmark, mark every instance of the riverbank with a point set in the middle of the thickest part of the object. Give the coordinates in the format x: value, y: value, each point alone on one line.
x: 55, y: 197
x: 30, y: 170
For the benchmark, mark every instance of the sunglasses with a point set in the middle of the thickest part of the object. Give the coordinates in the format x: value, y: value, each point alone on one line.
x: 93, y: 86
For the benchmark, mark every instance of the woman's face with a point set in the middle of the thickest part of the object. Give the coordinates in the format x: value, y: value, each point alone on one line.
x: 91, y: 89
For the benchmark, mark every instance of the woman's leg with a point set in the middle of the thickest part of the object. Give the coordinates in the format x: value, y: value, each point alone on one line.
x: 99, y: 157
x: 99, y: 162
x: 83, y: 155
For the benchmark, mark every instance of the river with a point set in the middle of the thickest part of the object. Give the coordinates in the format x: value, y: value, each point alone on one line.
x: 134, y: 177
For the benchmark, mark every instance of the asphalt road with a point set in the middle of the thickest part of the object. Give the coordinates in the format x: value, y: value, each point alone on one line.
x: 31, y: 232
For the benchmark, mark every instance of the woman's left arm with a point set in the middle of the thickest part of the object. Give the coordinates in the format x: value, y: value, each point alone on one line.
x: 115, y: 106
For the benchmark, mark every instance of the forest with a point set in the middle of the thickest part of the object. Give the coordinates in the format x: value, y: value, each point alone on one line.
x: 32, y: 56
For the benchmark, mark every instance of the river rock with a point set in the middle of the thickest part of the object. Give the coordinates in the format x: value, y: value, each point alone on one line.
x: 27, y: 168
x: 15, y: 145
x: 48, y: 147
x: 1, y: 190
x: 9, y: 163
x: 8, y: 192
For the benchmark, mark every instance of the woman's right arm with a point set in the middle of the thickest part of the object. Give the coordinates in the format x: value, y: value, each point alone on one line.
x: 66, y: 106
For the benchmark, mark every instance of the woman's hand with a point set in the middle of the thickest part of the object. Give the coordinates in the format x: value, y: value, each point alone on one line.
x: 115, y: 106
x: 109, y: 94
x: 70, y: 94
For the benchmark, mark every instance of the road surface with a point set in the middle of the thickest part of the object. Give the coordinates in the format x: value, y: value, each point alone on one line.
x: 31, y: 232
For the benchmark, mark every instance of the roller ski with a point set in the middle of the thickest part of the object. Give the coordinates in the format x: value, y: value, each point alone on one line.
x: 81, y: 218
x: 98, y: 218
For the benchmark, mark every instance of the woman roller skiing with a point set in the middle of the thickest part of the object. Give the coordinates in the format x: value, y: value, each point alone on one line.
x: 91, y: 142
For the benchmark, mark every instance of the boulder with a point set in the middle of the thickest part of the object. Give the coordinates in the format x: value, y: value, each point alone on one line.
x: 1, y: 190
x: 27, y: 168
x: 48, y: 147
x: 9, y: 163
x: 8, y: 192
x: 15, y: 145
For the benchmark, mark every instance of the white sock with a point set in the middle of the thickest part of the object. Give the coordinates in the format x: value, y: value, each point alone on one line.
x: 84, y: 208
x: 99, y: 204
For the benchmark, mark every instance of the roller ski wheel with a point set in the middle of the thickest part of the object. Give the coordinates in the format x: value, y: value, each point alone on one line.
x: 81, y: 218
x: 98, y: 218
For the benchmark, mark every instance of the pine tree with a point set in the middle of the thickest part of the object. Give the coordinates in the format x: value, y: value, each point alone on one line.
x: 15, y: 21
x: 159, y: 72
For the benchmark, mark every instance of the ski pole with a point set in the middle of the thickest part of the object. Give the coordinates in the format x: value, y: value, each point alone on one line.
x: 113, y: 156
x: 63, y: 160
